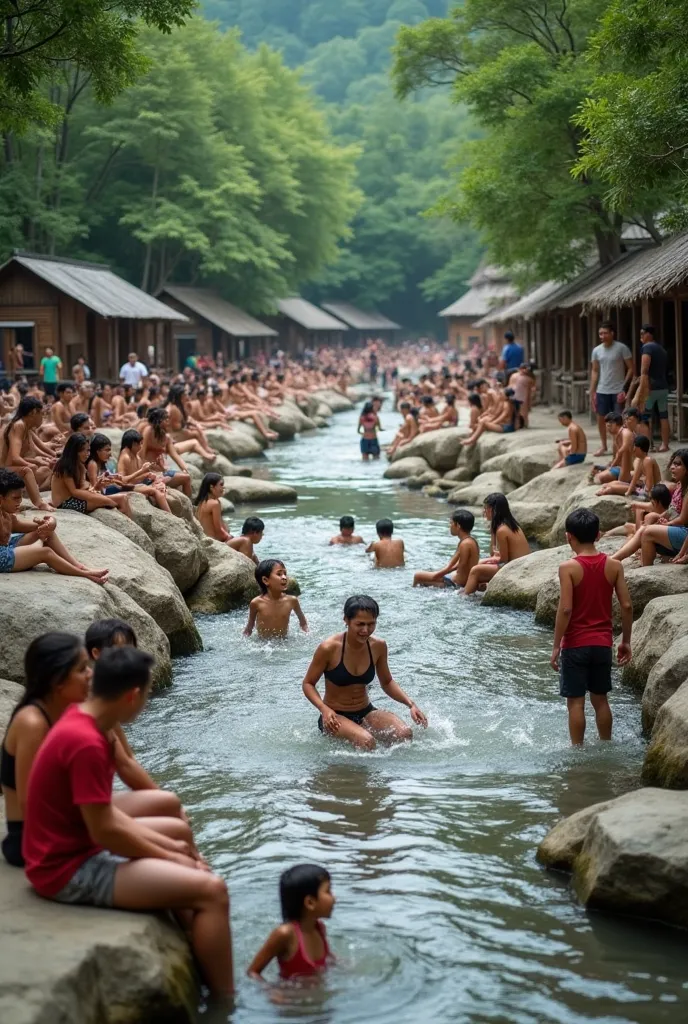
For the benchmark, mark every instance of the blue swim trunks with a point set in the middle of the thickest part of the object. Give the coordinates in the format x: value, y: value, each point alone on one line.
x: 7, y: 553
x: 573, y: 460
x: 508, y: 428
x: 370, y: 446
x: 615, y: 471
x: 677, y: 535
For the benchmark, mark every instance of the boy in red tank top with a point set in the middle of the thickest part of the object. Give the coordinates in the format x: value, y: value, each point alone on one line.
x: 582, y: 651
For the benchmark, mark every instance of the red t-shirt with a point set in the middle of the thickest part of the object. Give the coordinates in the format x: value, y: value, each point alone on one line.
x: 74, y: 766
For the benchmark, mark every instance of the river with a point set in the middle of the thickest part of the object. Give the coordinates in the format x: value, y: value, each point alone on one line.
x: 443, y: 913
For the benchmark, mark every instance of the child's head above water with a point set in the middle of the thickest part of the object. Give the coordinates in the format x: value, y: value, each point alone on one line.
x: 347, y: 526
x: 660, y: 496
x: 305, y: 891
x: 108, y: 633
x: 253, y: 527
x: 582, y: 526
x: 271, y: 570
x: 384, y: 527
x: 462, y: 521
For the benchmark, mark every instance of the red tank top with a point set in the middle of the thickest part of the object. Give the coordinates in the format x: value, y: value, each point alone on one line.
x: 590, y: 624
x: 299, y: 965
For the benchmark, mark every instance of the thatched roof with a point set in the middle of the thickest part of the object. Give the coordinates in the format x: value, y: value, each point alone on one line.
x: 524, y: 308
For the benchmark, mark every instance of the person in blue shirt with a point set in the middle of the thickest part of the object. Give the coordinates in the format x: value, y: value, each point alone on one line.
x: 512, y: 353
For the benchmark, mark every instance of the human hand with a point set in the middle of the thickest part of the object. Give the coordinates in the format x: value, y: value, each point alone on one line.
x: 680, y: 559
x: 330, y: 721
x: 662, y: 520
x: 623, y: 654
x: 554, y: 660
x: 418, y: 716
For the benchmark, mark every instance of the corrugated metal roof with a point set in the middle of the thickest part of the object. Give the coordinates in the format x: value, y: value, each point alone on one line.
x: 95, y: 286
x: 218, y: 311
x: 359, y: 319
x: 479, y: 301
x: 309, y: 316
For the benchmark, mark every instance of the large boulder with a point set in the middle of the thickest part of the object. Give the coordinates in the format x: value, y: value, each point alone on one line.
x: 334, y: 400
x: 611, y: 509
x: 666, y: 758
x: 176, y: 542
x: 10, y: 695
x: 530, y: 462
x: 79, y: 965
x: 229, y: 581
x: 475, y: 492
x: 403, y: 468
x: 564, y: 842
x: 491, y: 444
x: 220, y: 464
x: 134, y: 571
x: 243, y: 491
x: 239, y: 442
x: 459, y: 475
x: 440, y: 448
x: 288, y: 420
x: 424, y: 479
x: 124, y: 525
x: 668, y: 673
x: 663, y: 621
x: 40, y: 601
x: 552, y: 488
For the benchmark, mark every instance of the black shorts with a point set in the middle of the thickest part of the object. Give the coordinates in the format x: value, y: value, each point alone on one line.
x: 585, y: 670
x: 12, y: 844
x: 605, y: 404
x: 353, y: 716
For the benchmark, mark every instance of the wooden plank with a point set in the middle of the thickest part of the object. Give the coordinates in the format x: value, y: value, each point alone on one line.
x: 678, y: 321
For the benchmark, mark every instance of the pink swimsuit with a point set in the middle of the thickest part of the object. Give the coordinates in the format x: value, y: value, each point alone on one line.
x: 299, y: 965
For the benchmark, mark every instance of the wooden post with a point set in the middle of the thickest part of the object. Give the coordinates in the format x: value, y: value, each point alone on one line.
x: 678, y: 319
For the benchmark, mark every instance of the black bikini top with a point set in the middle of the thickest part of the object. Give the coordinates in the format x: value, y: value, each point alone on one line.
x: 340, y: 675
x: 8, y: 777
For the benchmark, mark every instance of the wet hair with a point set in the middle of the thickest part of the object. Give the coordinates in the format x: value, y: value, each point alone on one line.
x: 141, y: 410
x: 296, y: 884
x: 252, y: 525
x: 156, y: 417
x: 614, y: 417
x: 642, y: 442
x: 209, y: 480
x: 264, y: 570
x: 631, y: 412
x: 474, y: 399
x: 384, y: 527
x: 105, y: 633
x: 361, y: 603
x: 367, y: 409
x: 501, y: 513
x: 68, y: 463
x: 98, y: 443
x: 566, y: 414
x: 78, y: 420
x: 584, y: 525
x: 120, y: 669
x: 10, y: 481
x: 463, y: 518
x: 25, y: 408
x: 48, y: 661
x: 648, y: 329
x: 129, y: 439
x: 346, y: 523
x: 608, y: 326
x: 661, y: 494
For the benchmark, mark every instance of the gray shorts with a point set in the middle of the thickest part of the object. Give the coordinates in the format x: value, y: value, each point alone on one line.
x: 94, y: 882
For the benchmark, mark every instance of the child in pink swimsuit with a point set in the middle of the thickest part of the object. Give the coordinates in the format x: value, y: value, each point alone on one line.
x: 300, y: 944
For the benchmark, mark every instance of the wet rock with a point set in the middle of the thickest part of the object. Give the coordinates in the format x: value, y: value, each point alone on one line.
x: 242, y: 491
x: 440, y: 448
x: 402, y: 468
x: 564, y: 842
x: 220, y: 465
x: 445, y: 485
x: 226, y: 506
x: 669, y: 672
x: 241, y: 442
x: 334, y: 400
x: 666, y: 758
x: 663, y: 621
x: 434, y: 490
x: 475, y: 492
x: 289, y: 420
x: 611, y: 509
x: 177, y: 547
x: 229, y: 582
x: 459, y: 475
x: 416, y: 483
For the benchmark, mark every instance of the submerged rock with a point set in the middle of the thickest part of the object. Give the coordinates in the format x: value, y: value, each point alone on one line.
x: 424, y: 479
x: 668, y: 673
x: 666, y: 758
x: 229, y: 581
x: 564, y: 842
x: 413, y: 465
x: 243, y: 491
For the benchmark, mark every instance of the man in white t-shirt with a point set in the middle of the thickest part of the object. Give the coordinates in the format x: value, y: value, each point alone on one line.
x: 133, y: 371
x: 611, y: 374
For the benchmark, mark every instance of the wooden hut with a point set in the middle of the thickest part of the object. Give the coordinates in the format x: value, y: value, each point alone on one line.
x: 301, y: 326
x: 490, y: 287
x: 363, y: 325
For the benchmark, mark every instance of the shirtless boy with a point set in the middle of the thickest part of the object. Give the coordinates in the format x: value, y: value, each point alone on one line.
x: 467, y: 554
x: 621, y: 467
x: 389, y: 553
x: 61, y: 412
x: 574, y: 448
x: 251, y: 533
x: 16, y: 451
x: 408, y: 430
x: 271, y: 610
x: 346, y: 533
x: 646, y: 472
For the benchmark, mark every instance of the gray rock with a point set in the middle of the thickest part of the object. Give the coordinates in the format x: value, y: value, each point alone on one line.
x: 551, y: 488
x: 611, y: 509
x: 229, y: 581
x: 336, y: 401
x: 445, y: 485
x: 434, y: 490
x: 564, y: 842
x: 475, y: 492
x: 251, y: 491
x: 226, y: 506
x: 79, y: 965
x: 495, y: 464
x: 220, y: 464
x: 669, y: 672
x: 663, y: 621
x: 124, y: 525
x: 177, y: 546
x: 535, y: 518
x: 416, y: 483
x: 491, y: 445
x: 460, y: 474
x: 321, y: 422
x: 548, y: 593
x: 10, y: 695
x: 239, y: 442
x: 288, y: 420
x: 403, y: 468
x: 441, y: 449
x: 666, y: 758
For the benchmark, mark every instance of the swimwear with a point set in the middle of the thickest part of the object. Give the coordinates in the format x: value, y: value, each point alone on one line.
x: 575, y: 458
x: 75, y: 505
x: 12, y: 843
x: 169, y: 473
x: 353, y: 716
x: 508, y: 428
x: 370, y: 446
x: 449, y: 582
x: 677, y: 535
x: 340, y: 675
x: 299, y: 965
x: 7, y: 553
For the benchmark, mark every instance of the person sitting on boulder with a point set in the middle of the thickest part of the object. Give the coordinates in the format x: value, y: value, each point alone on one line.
x: 407, y: 431
x: 506, y: 421
x: 251, y: 534
x: 573, y: 449
x: 143, y: 477
x: 26, y: 543
x: 449, y: 416
x: 70, y: 487
x: 208, y: 507
x: 583, y: 636
x: 620, y: 468
x: 80, y: 848
x: 654, y: 510
x: 646, y: 473
x: 18, y: 451
x: 507, y: 542
x: 665, y: 536
x: 467, y: 555
x: 346, y: 534
x: 157, y: 445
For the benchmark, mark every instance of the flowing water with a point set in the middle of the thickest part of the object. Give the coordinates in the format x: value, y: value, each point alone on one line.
x: 442, y: 912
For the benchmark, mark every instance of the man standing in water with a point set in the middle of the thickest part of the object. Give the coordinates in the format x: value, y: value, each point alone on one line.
x: 583, y: 627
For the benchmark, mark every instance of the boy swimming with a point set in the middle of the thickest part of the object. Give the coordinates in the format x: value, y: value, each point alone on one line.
x: 467, y: 554
x: 251, y: 534
x: 389, y: 553
x: 346, y: 533
x: 271, y: 610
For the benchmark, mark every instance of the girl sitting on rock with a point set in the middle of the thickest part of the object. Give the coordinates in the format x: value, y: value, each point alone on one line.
x: 208, y: 508
x: 143, y: 477
x: 507, y: 542
x: 70, y: 487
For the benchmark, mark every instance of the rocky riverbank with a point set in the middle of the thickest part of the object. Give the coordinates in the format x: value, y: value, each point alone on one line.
x: 110, y: 967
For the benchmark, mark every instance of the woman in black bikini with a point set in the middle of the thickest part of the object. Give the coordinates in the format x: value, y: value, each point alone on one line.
x: 350, y: 661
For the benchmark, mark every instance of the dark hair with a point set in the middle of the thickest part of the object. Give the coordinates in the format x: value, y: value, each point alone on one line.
x: 404, y: 405
x: 98, y: 443
x: 265, y: 568
x: 129, y: 439
x: 78, y: 420
x: 252, y: 525
x: 174, y: 397
x: 104, y: 633
x: 361, y: 603
x: 662, y: 494
x: 367, y: 409
x: 346, y: 523
x: 614, y: 417
x: 141, y: 410
x: 632, y: 412
x: 296, y: 884
x: 583, y: 524
x: 566, y: 414
x: 427, y: 400
x: 463, y: 518
x: 450, y: 398
x: 208, y: 481
x: 509, y: 335
x: 120, y: 669
x: 642, y: 442
x: 415, y: 412
x: 384, y: 527
x: 607, y: 325
x: 156, y: 416
x: 48, y: 661
x: 61, y: 388
x: 25, y: 408
x: 474, y: 399
x: 648, y: 329
x: 681, y: 455
x: 501, y: 513
x: 10, y: 481
x: 68, y: 463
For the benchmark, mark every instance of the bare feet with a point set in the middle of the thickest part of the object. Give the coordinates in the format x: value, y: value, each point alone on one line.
x: 45, y: 506
x: 600, y: 451
x: 663, y: 448
x: 97, y: 576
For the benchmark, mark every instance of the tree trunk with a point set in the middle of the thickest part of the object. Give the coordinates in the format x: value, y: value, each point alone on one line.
x: 149, y: 245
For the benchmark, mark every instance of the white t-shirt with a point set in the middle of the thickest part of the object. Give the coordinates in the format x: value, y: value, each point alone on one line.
x: 133, y: 374
x: 612, y: 367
